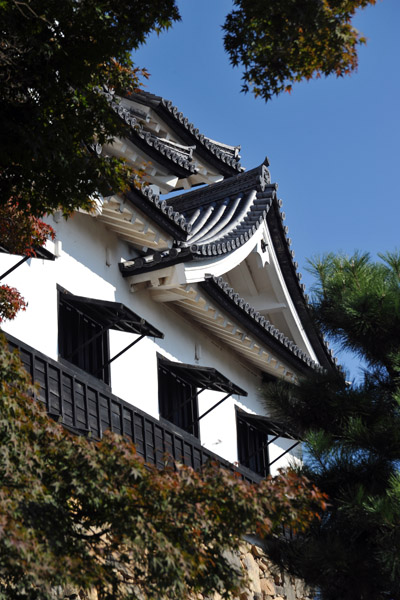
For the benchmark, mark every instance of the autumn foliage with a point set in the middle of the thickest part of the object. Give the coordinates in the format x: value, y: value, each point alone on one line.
x: 11, y: 302
x: 282, y: 42
x: 20, y: 233
x: 93, y: 515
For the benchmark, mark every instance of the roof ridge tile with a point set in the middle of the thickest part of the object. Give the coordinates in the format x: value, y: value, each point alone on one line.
x: 162, y: 146
x: 227, y: 154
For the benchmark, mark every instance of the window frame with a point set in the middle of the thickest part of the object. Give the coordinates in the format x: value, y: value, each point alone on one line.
x: 92, y: 358
x: 248, y: 454
x: 185, y: 415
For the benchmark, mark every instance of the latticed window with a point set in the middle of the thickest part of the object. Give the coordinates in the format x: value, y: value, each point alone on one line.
x: 177, y: 400
x: 82, y: 341
x: 252, y: 446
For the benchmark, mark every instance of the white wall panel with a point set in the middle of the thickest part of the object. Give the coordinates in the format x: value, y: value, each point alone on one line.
x: 88, y: 266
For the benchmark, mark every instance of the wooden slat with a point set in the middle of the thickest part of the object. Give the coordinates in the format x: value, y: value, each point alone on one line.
x: 150, y: 442
x: 67, y: 399
x: 80, y: 419
x: 105, y: 418
x: 93, y: 412
x: 54, y: 381
x: 116, y: 416
x: 85, y: 407
x: 139, y: 435
x: 127, y: 416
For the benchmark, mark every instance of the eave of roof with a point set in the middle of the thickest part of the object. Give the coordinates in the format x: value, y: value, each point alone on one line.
x: 285, y: 255
x: 166, y: 153
x: 152, y: 261
x: 163, y: 153
x: 223, y: 157
x: 175, y: 214
x: 210, y: 221
x: 256, y: 324
x: 269, y: 356
x: 160, y: 211
x: 133, y: 225
x: 35, y: 252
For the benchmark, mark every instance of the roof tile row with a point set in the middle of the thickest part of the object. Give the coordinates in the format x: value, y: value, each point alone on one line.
x: 264, y: 323
x: 177, y: 153
x: 253, y: 199
x: 226, y: 154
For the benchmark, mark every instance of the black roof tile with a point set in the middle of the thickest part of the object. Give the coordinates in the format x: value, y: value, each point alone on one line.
x: 219, y: 218
x: 161, y: 150
x: 212, y: 220
x: 257, y: 324
x: 224, y: 157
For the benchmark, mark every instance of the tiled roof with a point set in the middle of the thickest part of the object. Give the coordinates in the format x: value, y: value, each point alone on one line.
x: 226, y: 156
x: 216, y: 219
x: 157, y: 148
x: 229, y: 215
x: 297, y: 290
x: 259, y: 325
x: 160, y: 211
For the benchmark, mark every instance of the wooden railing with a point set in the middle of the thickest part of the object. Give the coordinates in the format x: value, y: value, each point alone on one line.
x: 86, y: 406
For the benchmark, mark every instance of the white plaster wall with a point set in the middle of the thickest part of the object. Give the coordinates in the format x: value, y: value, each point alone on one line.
x: 82, y: 269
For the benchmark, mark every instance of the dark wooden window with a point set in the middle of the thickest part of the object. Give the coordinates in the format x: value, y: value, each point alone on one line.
x: 82, y: 341
x: 177, y: 401
x: 252, y: 447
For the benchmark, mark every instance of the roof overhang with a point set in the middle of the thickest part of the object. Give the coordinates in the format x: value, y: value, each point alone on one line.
x: 37, y: 252
x: 288, y: 267
x: 112, y: 315
x: 268, y: 426
x: 191, y: 269
x: 269, y: 354
x: 221, y: 156
x: 204, y: 377
x: 258, y: 226
x: 131, y: 224
x: 193, y: 288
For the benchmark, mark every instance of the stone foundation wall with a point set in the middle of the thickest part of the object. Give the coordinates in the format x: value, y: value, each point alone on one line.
x: 265, y: 580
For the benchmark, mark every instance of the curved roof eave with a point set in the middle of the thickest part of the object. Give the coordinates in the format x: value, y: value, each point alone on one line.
x: 222, y: 156
x: 234, y: 238
x: 244, y: 236
x: 292, y: 277
x: 257, y: 325
x: 178, y: 158
x: 159, y: 211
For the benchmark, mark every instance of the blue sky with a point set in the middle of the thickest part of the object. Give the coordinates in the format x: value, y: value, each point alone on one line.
x: 333, y: 144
